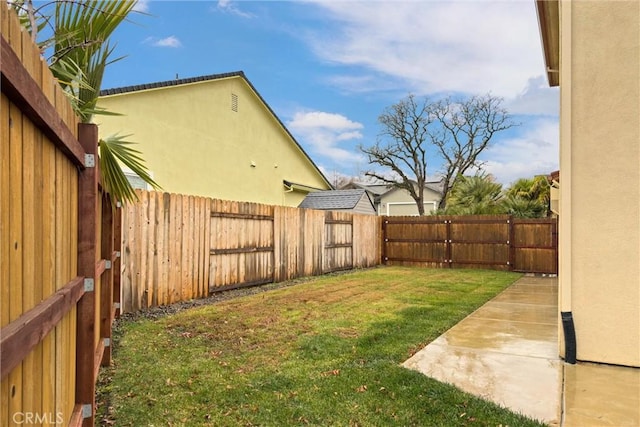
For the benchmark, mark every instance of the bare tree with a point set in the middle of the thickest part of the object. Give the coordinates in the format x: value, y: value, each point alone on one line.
x: 458, y: 129
x: 401, y: 147
x: 464, y: 130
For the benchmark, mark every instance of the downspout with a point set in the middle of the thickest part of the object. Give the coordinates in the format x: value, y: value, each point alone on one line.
x: 569, y: 337
x: 565, y: 224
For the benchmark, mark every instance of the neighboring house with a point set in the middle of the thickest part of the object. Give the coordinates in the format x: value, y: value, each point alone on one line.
x: 212, y: 136
x: 592, y: 51
x: 356, y: 201
x: 391, y: 201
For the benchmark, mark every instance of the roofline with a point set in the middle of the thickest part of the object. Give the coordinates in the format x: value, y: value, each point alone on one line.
x: 169, y: 83
x: 295, y: 186
x: 178, y: 82
x: 548, y: 12
x: 373, y: 205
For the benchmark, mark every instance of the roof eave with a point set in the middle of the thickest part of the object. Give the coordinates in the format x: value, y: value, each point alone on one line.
x: 549, y: 22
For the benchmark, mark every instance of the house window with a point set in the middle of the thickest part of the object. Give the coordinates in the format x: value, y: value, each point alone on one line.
x: 135, y: 181
x: 234, y: 102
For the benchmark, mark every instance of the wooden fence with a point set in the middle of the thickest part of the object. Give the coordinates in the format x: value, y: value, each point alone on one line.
x: 180, y: 247
x: 498, y: 242
x: 58, y: 238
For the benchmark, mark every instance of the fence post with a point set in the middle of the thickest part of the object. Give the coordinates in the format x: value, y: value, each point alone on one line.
x: 554, y: 243
x: 447, y: 242
x: 87, y: 257
x: 106, y: 283
x: 383, y: 249
x: 511, y: 243
x: 117, y: 264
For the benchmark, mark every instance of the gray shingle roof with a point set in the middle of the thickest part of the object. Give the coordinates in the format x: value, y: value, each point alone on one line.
x: 332, y: 199
x: 176, y: 82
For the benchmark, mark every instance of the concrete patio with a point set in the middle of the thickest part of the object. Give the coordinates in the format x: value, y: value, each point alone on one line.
x: 507, y: 352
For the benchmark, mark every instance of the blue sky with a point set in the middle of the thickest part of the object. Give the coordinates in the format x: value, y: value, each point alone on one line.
x: 329, y: 68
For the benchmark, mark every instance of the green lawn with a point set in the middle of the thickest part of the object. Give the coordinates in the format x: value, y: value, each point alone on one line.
x: 326, y: 352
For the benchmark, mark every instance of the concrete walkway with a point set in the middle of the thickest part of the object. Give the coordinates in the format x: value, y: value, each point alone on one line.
x: 507, y: 352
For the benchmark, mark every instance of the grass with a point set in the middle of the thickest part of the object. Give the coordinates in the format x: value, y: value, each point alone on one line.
x: 325, y: 352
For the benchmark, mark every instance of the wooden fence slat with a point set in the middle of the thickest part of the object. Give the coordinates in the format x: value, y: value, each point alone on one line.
x: 31, y: 367
x: 5, y: 238
x: 141, y: 256
x: 16, y: 246
x: 163, y: 248
x: 48, y: 255
x: 117, y: 264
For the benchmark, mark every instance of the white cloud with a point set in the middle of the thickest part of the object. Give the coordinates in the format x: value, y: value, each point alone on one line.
x: 325, y: 132
x: 536, y: 98
x: 453, y: 46
x: 171, y: 41
x: 535, y: 152
x: 319, y: 119
x: 141, y: 6
x: 229, y: 6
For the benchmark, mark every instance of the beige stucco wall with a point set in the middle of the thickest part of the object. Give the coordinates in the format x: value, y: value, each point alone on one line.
x: 399, y: 202
x: 194, y: 143
x: 600, y: 178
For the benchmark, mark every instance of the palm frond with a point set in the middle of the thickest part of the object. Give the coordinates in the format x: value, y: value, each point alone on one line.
x: 115, y: 150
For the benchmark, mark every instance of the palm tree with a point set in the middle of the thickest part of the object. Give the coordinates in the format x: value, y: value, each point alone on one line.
x: 521, y: 207
x: 474, y: 195
x: 534, y: 191
x: 81, y: 51
x: 536, y: 188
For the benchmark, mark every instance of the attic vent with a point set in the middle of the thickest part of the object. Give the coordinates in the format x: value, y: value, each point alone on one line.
x: 234, y: 102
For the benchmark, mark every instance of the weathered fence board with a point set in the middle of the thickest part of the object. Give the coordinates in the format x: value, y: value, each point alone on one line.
x: 339, y: 241
x: 208, y: 245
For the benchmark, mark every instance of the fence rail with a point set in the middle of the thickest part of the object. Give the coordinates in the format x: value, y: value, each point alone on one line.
x: 58, y: 236
x: 179, y: 247
x: 499, y: 242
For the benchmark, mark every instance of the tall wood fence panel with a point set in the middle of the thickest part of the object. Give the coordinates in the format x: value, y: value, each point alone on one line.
x: 241, y: 244
x: 535, y: 245
x: 338, y: 244
x: 56, y: 301
x: 497, y: 242
x: 180, y: 247
x: 165, y: 250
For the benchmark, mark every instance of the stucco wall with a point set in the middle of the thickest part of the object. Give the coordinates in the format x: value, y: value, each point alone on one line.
x: 194, y: 143
x: 600, y: 184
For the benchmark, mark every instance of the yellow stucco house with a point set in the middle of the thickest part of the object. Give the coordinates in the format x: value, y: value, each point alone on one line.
x: 213, y: 136
x: 592, y: 51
